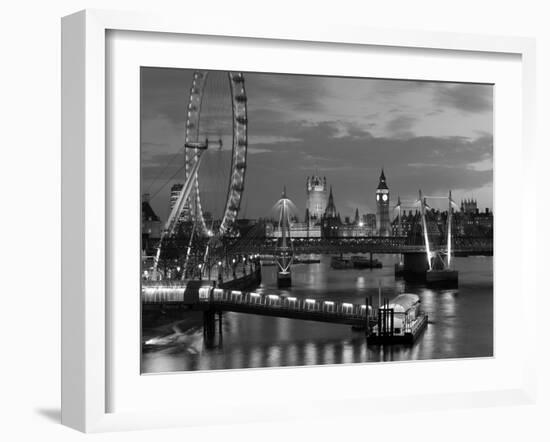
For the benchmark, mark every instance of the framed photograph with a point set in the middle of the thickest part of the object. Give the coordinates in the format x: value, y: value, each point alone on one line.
x: 308, y: 213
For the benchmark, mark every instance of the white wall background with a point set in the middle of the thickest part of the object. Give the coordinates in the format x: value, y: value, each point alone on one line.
x: 30, y: 214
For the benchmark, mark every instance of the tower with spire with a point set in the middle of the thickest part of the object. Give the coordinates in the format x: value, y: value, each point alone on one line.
x: 383, y: 224
x: 331, y: 219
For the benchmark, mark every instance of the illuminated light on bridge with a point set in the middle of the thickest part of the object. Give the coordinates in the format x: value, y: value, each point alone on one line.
x: 204, y: 293
x: 218, y: 300
x: 347, y: 307
x: 163, y: 289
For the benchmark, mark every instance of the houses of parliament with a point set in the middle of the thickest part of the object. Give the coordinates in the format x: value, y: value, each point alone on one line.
x: 322, y: 219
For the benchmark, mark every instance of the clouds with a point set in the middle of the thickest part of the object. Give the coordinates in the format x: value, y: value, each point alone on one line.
x: 434, y: 136
x: 165, y: 93
x: 352, y: 164
x: 465, y: 97
x: 299, y: 93
x: 401, y: 126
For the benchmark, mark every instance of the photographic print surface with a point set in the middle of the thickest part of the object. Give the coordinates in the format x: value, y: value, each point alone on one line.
x: 292, y: 220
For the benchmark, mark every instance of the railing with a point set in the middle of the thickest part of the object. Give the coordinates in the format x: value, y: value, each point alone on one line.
x: 361, y: 244
x: 316, y: 309
x: 418, y: 323
x: 171, y: 291
x: 163, y: 292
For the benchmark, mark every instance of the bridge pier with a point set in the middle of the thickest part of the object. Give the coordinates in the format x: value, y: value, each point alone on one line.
x: 399, y: 267
x: 209, y: 327
x: 415, y: 265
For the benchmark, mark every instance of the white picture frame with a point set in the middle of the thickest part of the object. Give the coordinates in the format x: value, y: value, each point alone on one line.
x: 86, y: 316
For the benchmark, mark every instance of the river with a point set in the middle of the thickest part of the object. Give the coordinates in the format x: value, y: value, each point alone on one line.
x: 460, y: 323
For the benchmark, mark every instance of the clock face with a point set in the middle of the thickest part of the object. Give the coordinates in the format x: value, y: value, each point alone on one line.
x: 385, y: 197
x: 377, y: 197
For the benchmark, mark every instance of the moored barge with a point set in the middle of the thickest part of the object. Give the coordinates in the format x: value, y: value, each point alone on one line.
x: 400, y: 321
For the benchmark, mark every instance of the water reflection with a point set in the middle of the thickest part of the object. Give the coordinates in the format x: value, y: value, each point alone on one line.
x: 460, y: 324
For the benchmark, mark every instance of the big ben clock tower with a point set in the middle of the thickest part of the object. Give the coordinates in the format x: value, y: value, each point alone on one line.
x: 383, y: 207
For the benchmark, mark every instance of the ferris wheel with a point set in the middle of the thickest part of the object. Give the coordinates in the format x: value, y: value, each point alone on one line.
x: 216, y: 135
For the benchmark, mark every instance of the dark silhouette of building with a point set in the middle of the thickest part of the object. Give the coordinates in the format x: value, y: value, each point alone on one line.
x: 468, y: 206
x: 150, y: 223
x: 331, y: 219
x: 370, y: 223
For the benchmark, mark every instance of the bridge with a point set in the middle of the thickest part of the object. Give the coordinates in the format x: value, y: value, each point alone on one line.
x: 210, y: 299
x: 371, y: 244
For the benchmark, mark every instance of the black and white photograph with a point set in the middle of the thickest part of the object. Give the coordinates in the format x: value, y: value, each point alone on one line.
x: 302, y: 220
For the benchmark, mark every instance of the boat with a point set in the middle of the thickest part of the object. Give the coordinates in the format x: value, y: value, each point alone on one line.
x: 306, y: 261
x: 362, y: 262
x: 399, y: 321
x: 340, y: 263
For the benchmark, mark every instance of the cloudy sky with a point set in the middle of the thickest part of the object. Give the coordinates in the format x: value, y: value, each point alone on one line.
x: 427, y: 135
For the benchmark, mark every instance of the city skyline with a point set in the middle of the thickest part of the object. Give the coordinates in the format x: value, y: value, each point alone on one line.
x: 433, y: 136
x: 332, y: 271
